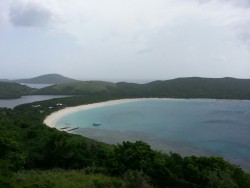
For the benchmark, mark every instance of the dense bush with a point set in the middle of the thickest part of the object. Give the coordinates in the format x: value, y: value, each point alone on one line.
x: 175, y: 171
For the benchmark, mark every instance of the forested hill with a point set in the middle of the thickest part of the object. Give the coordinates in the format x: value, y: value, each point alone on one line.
x: 222, y: 88
x: 9, y: 90
x: 194, y: 87
x: 47, y: 79
x: 78, y: 88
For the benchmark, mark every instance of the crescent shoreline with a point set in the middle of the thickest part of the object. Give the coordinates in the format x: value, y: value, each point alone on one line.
x: 55, y: 116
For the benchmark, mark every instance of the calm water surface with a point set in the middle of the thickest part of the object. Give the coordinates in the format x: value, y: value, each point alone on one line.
x: 38, y: 86
x: 203, y: 127
x: 11, y: 103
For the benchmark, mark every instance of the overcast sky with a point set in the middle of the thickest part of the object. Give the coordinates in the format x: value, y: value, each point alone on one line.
x: 125, y: 39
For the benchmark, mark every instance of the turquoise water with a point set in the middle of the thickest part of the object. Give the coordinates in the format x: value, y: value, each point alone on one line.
x: 210, y: 127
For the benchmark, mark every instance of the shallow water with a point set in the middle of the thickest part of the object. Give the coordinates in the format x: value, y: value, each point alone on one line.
x: 203, y: 127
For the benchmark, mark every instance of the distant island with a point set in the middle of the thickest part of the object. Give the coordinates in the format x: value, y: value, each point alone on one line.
x: 193, y: 87
x: 46, y: 79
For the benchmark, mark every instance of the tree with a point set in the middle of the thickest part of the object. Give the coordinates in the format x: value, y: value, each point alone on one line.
x: 140, y: 157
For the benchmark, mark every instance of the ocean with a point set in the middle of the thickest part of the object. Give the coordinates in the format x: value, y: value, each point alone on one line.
x: 187, y: 126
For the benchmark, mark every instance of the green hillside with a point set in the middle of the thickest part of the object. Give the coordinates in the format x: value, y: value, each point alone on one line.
x: 46, y: 79
x: 194, y: 87
x: 218, y: 88
x: 9, y: 90
x: 78, y: 88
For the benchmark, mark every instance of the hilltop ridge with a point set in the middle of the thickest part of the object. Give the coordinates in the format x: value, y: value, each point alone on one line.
x: 77, y: 88
x: 190, y: 87
x: 46, y: 79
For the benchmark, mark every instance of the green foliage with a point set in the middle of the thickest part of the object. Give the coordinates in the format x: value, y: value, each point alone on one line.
x: 11, y: 153
x: 67, y: 151
x: 134, y: 156
x: 6, y: 174
x: 173, y: 170
x: 135, y: 179
x: 214, y: 172
x: 139, y: 156
x: 66, y: 179
x: 12, y: 157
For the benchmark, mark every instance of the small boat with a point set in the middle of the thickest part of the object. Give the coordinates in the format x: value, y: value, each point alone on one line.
x: 64, y: 128
x: 73, y: 129
x: 96, y: 124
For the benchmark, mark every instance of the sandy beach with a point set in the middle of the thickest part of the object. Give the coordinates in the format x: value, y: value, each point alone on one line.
x: 54, y: 117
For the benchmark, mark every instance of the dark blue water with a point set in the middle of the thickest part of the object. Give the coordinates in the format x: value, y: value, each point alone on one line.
x: 216, y: 127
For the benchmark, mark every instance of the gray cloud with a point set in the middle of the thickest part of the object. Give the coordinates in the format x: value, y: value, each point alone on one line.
x: 1, y: 18
x: 244, y: 35
x: 143, y: 51
x: 245, y: 3
x: 242, y: 3
x: 29, y: 14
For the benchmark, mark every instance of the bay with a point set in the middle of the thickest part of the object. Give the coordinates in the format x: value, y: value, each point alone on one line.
x: 189, y: 127
x: 37, y: 86
x: 11, y: 103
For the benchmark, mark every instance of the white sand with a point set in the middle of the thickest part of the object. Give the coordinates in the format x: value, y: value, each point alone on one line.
x: 52, y: 119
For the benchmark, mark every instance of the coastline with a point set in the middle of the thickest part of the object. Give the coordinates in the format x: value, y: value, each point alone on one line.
x: 51, y: 119
x: 114, y: 137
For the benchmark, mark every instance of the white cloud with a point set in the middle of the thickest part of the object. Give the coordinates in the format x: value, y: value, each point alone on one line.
x: 4, y: 5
